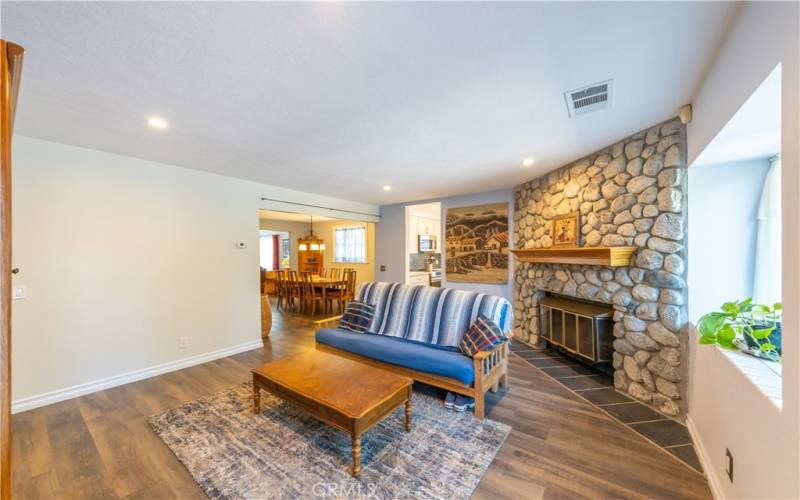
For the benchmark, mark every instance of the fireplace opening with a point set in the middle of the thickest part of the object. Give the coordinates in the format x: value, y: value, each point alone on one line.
x: 579, y: 329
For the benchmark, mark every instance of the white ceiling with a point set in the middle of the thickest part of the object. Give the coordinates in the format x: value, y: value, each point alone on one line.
x: 290, y: 216
x: 434, y: 99
x: 754, y: 131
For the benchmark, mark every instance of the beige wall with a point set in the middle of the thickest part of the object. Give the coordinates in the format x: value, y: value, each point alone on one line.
x: 120, y: 258
x: 364, y: 272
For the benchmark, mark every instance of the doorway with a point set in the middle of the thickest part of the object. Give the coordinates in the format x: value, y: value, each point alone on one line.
x: 423, y: 244
x: 294, y: 244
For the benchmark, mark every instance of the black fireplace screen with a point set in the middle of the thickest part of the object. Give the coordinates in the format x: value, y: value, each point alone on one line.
x: 582, y: 328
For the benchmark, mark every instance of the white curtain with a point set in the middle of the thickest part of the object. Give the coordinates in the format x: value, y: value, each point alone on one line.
x: 767, y: 285
x: 350, y: 244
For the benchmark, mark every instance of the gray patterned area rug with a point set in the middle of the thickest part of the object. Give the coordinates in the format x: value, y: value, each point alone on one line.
x: 284, y: 453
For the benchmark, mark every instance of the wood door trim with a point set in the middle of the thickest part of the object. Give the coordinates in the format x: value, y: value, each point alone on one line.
x: 10, y: 71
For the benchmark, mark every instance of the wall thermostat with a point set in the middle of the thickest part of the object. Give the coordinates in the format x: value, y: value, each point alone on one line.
x: 241, y: 245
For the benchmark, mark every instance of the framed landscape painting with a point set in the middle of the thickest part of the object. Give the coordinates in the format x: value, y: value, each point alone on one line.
x: 476, y: 246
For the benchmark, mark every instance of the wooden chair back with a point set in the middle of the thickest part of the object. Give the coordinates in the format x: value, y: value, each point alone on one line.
x: 308, y: 285
x: 350, y: 278
x: 279, y: 281
x: 263, y: 280
x: 292, y: 283
x: 334, y: 273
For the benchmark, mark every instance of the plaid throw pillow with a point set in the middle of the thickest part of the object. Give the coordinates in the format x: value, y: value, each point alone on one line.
x: 357, y: 316
x: 481, y: 336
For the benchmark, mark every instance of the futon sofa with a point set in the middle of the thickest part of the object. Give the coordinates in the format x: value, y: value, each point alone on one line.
x: 416, y: 332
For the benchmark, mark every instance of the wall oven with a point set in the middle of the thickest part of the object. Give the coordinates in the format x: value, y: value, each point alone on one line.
x: 426, y: 243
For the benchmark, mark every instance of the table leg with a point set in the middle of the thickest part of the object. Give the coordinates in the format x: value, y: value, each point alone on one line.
x: 409, y: 409
x: 356, y: 455
x: 256, y: 398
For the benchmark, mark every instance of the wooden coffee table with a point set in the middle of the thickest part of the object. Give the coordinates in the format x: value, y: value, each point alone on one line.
x: 345, y: 394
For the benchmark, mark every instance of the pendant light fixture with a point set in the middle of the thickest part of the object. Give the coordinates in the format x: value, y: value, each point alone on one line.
x: 310, y: 242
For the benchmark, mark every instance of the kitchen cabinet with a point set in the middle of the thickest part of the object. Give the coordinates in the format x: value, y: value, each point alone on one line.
x: 422, y: 225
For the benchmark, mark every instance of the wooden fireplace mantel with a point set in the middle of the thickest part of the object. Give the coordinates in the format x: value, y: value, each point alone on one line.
x: 593, y: 256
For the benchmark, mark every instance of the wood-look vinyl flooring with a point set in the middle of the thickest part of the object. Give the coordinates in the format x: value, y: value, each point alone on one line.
x: 101, y: 446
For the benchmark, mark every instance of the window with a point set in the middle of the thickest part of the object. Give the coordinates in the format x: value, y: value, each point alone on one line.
x: 350, y: 245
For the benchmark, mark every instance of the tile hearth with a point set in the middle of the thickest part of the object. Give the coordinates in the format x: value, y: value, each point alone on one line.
x: 598, y: 389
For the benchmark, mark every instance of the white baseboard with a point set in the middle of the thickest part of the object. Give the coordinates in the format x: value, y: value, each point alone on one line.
x: 705, y: 460
x: 44, y: 399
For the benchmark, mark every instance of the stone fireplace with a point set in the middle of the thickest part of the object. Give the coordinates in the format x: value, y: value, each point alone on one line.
x: 629, y: 194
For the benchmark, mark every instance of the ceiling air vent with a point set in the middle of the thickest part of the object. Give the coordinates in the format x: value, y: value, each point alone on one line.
x: 590, y: 98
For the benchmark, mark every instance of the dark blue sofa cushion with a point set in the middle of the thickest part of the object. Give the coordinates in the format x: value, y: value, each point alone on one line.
x: 420, y: 356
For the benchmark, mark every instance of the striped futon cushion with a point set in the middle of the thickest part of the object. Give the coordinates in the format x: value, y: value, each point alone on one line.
x: 357, y: 316
x: 437, y: 316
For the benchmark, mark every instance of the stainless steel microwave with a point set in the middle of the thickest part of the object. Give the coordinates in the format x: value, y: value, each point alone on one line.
x: 426, y: 243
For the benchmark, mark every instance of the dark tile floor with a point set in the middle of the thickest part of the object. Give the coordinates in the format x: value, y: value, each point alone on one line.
x: 598, y: 388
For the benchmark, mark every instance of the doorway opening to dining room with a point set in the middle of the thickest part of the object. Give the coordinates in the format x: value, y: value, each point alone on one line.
x: 311, y: 264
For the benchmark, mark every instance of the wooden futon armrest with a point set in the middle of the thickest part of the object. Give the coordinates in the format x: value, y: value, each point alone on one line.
x: 325, y: 321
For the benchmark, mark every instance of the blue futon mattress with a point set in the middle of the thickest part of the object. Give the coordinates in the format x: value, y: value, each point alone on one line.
x: 436, y: 360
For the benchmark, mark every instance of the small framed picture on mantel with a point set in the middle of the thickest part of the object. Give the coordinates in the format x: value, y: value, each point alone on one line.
x: 566, y: 230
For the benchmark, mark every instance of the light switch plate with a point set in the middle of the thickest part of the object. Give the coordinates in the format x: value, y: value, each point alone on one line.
x: 18, y: 292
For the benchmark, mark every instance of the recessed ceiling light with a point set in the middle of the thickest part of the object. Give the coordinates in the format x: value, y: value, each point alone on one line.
x: 527, y: 162
x: 158, y: 123
x: 387, y: 187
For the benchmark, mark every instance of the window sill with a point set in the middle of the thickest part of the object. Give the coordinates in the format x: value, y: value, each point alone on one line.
x: 765, y: 375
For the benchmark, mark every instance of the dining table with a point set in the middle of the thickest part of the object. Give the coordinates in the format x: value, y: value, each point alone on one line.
x: 322, y: 283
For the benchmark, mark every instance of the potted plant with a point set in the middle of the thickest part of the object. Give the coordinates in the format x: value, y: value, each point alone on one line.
x: 752, y: 328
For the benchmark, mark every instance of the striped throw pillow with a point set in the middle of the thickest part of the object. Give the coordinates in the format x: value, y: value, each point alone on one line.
x: 357, y: 316
x: 483, y: 335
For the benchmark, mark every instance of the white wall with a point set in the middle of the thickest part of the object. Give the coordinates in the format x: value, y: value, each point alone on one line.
x: 724, y: 410
x: 122, y: 256
x: 391, y: 243
x: 723, y: 206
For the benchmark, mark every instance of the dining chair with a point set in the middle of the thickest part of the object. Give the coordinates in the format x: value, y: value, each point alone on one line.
x: 321, y: 272
x: 334, y: 273
x: 293, y: 289
x: 284, y: 288
x: 279, y: 287
x: 337, y: 292
x: 350, y: 278
x: 309, y: 293
x: 301, y: 291
x: 263, y: 275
